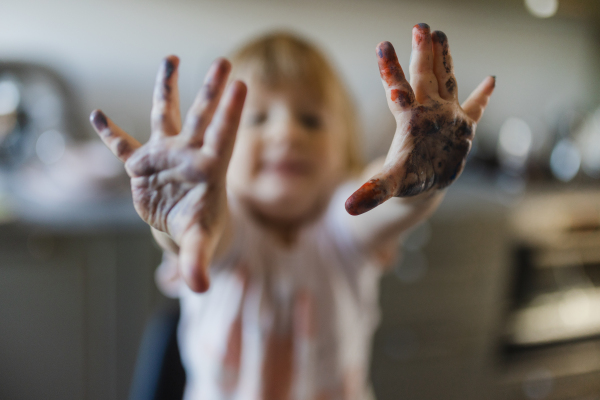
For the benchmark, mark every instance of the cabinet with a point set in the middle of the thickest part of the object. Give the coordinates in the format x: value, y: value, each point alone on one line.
x: 441, y: 335
x: 74, y: 297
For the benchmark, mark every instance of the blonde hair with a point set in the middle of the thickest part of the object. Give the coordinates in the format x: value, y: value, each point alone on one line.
x: 280, y: 58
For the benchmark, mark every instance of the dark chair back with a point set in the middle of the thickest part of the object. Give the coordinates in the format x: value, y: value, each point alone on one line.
x: 159, y: 374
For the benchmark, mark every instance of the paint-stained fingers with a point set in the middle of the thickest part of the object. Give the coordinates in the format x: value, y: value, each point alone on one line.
x: 165, y: 116
x: 478, y: 100
x: 220, y: 135
x: 398, y: 91
x: 203, y: 109
x: 194, y: 259
x: 373, y: 193
x: 116, y: 139
x: 422, y: 78
x: 443, y: 66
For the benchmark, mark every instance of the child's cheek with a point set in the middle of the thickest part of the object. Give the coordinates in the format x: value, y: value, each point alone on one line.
x: 338, y: 151
x: 327, y: 165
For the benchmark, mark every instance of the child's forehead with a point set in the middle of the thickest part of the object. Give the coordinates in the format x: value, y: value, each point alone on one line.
x: 309, y: 86
x: 293, y: 91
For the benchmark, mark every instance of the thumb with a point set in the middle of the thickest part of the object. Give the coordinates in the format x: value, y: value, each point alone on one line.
x: 194, y: 257
x: 376, y: 191
x: 478, y: 100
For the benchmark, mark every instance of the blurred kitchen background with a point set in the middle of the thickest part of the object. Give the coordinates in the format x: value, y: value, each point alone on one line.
x: 496, y: 297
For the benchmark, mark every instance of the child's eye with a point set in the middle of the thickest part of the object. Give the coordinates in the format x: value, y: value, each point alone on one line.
x: 311, y: 121
x: 257, y: 119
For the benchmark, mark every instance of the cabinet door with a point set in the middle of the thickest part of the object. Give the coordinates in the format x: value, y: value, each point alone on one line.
x: 41, y: 319
x: 73, y: 307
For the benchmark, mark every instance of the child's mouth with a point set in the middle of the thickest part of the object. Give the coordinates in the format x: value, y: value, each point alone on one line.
x: 288, y: 167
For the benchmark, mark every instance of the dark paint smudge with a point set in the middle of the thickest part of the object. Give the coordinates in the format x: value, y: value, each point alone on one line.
x: 440, y: 147
x: 402, y: 97
x: 440, y: 38
x: 210, y: 91
x: 169, y: 69
x: 389, y: 67
x: 447, y: 66
x: 99, y: 120
x: 450, y: 85
x: 422, y: 34
x: 123, y: 148
x: 464, y: 130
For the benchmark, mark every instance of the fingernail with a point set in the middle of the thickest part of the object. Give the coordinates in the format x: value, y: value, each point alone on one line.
x: 217, y: 70
x: 169, y: 68
x: 240, y: 89
x: 439, y: 37
x: 99, y: 121
x: 422, y: 34
x: 385, y: 49
x: 222, y: 65
x: 367, y: 197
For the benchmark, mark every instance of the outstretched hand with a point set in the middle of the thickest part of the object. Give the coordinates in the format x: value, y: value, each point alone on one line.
x: 178, y: 176
x: 434, y: 133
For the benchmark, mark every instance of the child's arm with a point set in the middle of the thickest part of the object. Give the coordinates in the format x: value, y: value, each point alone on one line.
x: 432, y: 140
x: 178, y: 176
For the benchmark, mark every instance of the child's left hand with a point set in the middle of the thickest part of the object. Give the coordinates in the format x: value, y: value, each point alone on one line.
x: 434, y: 133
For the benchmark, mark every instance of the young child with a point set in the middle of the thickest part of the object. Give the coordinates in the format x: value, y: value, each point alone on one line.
x: 292, y: 304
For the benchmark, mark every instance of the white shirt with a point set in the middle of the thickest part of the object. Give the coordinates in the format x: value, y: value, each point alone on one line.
x: 282, y: 324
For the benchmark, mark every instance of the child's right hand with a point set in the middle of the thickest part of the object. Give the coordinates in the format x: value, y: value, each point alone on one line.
x: 178, y: 176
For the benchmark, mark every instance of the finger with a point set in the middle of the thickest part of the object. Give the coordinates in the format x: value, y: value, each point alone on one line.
x: 398, y: 91
x: 478, y: 100
x: 206, y: 102
x: 120, y: 143
x: 194, y: 254
x: 165, y: 115
x: 373, y: 193
x: 443, y: 67
x: 422, y: 79
x: 220, y: 135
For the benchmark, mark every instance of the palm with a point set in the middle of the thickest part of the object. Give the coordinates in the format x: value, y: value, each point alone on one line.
x: 170, y: 186
x: 178, y: 176
x: 434, y: 132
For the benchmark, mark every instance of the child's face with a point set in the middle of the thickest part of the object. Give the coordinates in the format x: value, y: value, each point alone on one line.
x: 289, y: 153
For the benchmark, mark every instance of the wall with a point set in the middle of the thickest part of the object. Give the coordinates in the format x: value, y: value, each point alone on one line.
x: 109, y: 51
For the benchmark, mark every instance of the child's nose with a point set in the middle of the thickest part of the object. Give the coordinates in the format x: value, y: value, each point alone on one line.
x: 287, y: 130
